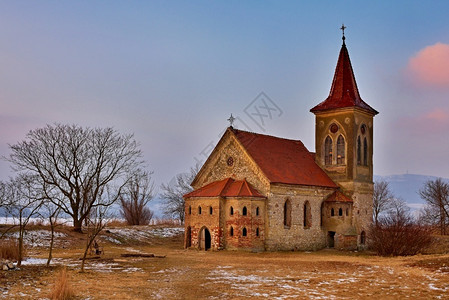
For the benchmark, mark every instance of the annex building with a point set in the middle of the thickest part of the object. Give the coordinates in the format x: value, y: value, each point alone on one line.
x: 260, y: 192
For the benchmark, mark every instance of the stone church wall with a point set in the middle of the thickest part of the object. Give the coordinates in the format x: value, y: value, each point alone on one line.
x: 296, y: 236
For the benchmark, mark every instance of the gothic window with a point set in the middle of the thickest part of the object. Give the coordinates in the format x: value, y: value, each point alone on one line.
x: 332, y: 212
x: 231, y: 211
x: 365, y: 152
x: 328, y: 151
x: 244, y: 211
x: 287, y: 213
x: 231, y: 231
x: 257, y: 211
x: 244, y: 232
x: 210, y: 210
x: 199, y: 210
x: 307, y: 215
x: 340, y: 212
x: 359, y: 151
x: 322, y: 214
x: 340, y: 150
x: 257, y: 231
x: 190, y: 210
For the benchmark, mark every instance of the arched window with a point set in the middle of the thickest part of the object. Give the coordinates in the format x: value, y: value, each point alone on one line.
x: 307, y: 215
x: 287, y: 213
x: 365, y: 152
x: 257, y: 211
x: 363, y: 238
x: 322, y: 214
x: 340, y: 150
x: 210, y: 210
x: 190, y: 210
x: 244, y: 232
x: 244, y: 211
x: 231, y: 231
x: 199, y: 210
x: 359, y: 151
x: 340, y: 211
x: 332, y: 212
x: 231, y: 211
x: 328, y: 151
x: 257, y: 231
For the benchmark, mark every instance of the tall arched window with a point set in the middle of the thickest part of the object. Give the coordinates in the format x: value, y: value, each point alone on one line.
x: 287, y: 213
x: 359, y: 151
x: 244, y: 211
x: 210, y: 210
x: 257, y: 231
x: 328, y: 151
x: 244, y: 232
x: 340, y: 150
x: 322, y: 214
x: 340, y: 211
x: 231, y: 231
x: 190, y: 210
x: 332, y: 212
x: 199, y: 210
x: 257, y: 211
x: 365, y: 152
x: 307, y: 215
x: 231, y: 212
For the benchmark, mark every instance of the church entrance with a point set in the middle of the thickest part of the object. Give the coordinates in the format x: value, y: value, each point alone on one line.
x: 205, y: 239
x: 331, y: 239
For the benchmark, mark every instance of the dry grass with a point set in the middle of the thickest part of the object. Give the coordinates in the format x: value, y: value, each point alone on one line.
x: 165, y: 222
x: 62, y: 290
x: 9, y: 249
x: 191, y: 274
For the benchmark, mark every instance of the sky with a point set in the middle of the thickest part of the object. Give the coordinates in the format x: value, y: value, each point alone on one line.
x: 172, y: 72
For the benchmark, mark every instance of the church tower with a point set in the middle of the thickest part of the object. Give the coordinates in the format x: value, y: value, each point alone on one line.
x: 344, y: 140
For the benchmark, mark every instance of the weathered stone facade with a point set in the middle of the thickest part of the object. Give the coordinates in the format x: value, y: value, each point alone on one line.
x: 258, y: 192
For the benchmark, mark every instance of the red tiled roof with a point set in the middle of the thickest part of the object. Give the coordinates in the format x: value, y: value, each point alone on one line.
x: 344, y: 91
x: 282, y: 160
x: 226, y: 188
x: 338, y: 196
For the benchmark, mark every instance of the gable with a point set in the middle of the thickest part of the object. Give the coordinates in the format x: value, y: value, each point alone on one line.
x: 216, y: 167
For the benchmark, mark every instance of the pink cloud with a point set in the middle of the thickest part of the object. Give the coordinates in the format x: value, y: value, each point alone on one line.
x: 430, y: 66
x: 429, y: 123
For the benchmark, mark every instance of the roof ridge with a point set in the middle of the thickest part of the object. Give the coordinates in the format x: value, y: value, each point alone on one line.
x: 264, y: 135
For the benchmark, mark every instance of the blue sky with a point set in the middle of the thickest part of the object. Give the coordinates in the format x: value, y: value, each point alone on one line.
x: 172, y: 72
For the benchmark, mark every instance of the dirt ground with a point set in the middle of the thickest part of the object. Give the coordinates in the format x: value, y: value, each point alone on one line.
x: 191, y: 274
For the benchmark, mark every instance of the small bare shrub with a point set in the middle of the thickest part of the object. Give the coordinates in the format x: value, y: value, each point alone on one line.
x: 9, y: 249
x: 62, y: 289
x: 398, y: 234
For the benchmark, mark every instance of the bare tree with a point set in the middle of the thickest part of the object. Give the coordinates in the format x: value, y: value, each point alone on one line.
x: 50, y: 211
x: 25, y: 200
x: 96, y: 221
x: 135, y: 197
x: 75, y: 165
x: 174, y: 191
x: 398, y: 233
x: 382, y: 198
x: 436, y: 194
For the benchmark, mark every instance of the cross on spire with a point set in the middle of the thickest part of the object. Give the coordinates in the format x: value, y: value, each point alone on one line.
x: 343, y: 27
x: 231, y: 120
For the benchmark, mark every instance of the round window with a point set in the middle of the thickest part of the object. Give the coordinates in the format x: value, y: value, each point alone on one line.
x: 334, y: 128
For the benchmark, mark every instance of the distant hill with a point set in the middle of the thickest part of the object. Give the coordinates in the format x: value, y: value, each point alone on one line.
x: 406, y: 186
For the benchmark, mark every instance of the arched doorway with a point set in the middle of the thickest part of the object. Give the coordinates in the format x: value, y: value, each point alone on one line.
x: 205, y: 239
x: 188, y: 237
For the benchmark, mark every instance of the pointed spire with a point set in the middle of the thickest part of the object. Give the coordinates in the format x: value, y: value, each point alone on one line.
x: 344, y: 91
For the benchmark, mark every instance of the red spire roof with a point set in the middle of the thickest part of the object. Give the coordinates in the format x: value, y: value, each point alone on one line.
x: 344, y: 91
x: 282, y: 160
x: 226, y: 188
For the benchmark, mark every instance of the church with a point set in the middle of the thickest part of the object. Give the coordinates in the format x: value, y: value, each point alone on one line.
x: 258, y: 192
